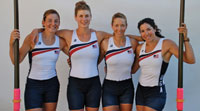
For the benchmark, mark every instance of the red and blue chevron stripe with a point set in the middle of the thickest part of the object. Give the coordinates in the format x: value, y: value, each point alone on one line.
x: 115, y: 52
x: 141, y: 57
x: 42, y: 50
x: 77, y: 47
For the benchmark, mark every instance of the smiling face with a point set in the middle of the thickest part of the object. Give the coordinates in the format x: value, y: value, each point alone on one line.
x: 147, y: 32
x: 119, y: 26
x: 83, y: 18
x: 51, y: 23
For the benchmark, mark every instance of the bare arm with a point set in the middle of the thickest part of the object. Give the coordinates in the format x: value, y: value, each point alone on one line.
x: 62, y: 33
x: 138, y: 38
x: 34, y: 35
x: 188, y: 54
x: 63, y: 46
x: 136, y: 66
x: 105, y: 34
x: 24, y: 48
x: 134, y: 44
x: 103, y: 48
x: 102, y: 35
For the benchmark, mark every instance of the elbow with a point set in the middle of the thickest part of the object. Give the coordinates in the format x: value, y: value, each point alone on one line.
x: 133, y: 71
x: 98, y: 62
x: 135, y: 68
x: 13, y: 62
x: 192, y: 61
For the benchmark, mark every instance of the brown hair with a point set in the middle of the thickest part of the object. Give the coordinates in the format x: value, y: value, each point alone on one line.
x: 50, y: 11
x: 119, y: 15
x: 81, y: 5
x: 151, y: 22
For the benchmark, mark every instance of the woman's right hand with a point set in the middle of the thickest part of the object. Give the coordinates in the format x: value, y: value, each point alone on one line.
x: 69, y: 62
x: 15, y: 34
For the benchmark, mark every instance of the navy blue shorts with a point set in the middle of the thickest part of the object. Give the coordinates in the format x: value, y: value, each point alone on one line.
x: 83, y: 92
x: 153, y: 97
x: 117, y: 92
x: 38, y: 92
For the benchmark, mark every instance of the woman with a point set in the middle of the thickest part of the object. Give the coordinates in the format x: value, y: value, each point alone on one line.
x: 118, y: 89
x: 42, y: 87
x: 84, y: 88
x: 153, y: 56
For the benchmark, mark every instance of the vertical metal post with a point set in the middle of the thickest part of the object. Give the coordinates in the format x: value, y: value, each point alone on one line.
x: 16, y: 99
x: 16, y: 45
x: 180, y: 60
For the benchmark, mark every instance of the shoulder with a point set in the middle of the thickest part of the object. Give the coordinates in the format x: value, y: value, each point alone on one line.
x: 28, y: 39
x: 168, y: 46
x: 133, y: 41
x: 28, y: 43
x: 105, y: 42
x: 99, y: 34
x: 102, y: 35
x: 168, y: 42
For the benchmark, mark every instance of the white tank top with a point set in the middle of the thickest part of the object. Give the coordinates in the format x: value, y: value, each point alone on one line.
x: 119, y: 61
x: 43, y: 59
x: 152, y: 66
x: 84, y: 57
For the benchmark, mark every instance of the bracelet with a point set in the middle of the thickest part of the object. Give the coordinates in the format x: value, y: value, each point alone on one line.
x: 186, y: 40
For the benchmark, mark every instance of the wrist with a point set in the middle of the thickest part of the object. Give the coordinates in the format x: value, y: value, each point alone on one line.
x: 186, y: 40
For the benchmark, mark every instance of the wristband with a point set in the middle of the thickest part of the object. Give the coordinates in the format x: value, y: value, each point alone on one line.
x: 187, y: 40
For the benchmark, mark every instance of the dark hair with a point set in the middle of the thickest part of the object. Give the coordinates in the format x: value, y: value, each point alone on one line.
x: 81, y: 5
x: 50, y: 11
x: 119, y: 15
x: 151, y: 23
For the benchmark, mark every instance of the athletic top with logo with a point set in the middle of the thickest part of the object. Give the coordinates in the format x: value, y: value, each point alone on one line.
x: 84, y: 57
x: 43, y: 60
x: 153, y: 67
x: 119, y: 61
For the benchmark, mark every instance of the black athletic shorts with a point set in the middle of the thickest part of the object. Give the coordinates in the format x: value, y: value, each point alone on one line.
x: 117, y: 92
x: 153, y: 97
x: 83, y: 92
x: 38, y: 92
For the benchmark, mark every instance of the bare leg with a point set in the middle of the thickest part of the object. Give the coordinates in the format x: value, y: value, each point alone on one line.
x: 140, y: 108
x: 148, y: 109
x: 50, y: 106
x: 91, y: 109
x: 35, y: 109
x: 111, y: 108
x: 126, y: 107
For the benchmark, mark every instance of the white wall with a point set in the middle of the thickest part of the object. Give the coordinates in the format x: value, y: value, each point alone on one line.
x: 165, y: 13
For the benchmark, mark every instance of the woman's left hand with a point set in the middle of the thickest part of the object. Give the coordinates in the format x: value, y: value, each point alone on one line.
x: 183, y: 30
